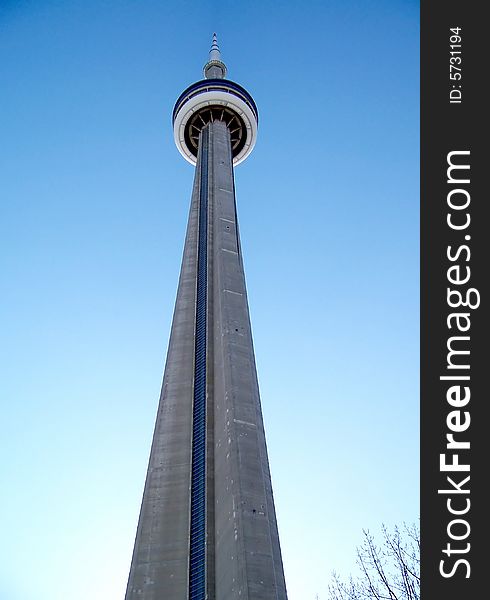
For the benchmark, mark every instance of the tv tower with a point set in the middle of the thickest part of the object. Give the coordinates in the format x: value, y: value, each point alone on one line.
x: 207, y: 527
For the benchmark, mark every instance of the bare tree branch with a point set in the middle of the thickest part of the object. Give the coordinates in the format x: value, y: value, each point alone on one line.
x: 387, y: 572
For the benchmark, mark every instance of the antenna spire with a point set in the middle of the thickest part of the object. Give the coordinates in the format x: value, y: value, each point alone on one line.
x: 215, y: 53
x: 215, y: 68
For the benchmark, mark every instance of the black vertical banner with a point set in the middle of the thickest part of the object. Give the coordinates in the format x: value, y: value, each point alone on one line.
x: 455, y: 252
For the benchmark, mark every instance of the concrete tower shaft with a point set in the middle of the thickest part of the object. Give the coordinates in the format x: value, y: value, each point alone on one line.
x: 207, y: 528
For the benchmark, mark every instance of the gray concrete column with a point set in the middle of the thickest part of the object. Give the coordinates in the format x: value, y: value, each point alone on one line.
x: 247, y: 555
x: 242, y: 553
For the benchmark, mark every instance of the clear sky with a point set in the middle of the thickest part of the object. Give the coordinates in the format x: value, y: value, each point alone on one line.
x: 94, y: 199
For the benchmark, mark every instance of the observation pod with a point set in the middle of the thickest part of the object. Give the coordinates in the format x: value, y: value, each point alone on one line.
x: 215, y: 99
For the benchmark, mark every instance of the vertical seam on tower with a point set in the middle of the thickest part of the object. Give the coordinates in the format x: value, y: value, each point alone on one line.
x: 210, y: 525
x: 197, y: 554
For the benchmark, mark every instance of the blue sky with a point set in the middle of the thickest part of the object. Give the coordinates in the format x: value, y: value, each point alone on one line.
x: 93, y: 205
